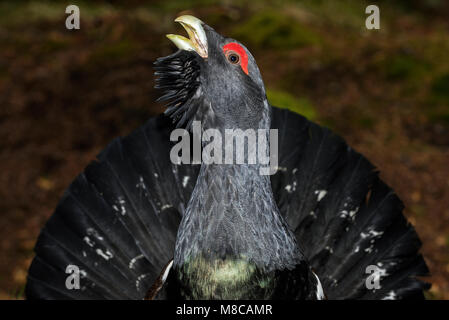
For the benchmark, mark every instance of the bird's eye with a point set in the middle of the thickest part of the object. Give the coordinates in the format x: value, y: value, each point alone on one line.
x: 236, y: 54
x: 233, y: 58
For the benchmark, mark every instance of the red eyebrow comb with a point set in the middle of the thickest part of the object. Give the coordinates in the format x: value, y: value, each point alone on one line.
x: 233, y: 46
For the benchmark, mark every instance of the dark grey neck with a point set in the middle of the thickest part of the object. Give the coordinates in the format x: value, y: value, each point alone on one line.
x: 232, y: 213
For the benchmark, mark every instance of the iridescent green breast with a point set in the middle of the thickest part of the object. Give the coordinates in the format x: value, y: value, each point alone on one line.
x: 232, y: 279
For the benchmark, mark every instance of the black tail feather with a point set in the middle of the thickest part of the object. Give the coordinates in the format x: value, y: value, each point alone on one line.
x: 345, y: 218
x: 118, y: 220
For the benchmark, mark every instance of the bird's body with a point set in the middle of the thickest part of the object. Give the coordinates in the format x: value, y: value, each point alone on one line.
x: 236, y: 279
x: 307, y: 232
x: 235, y: 244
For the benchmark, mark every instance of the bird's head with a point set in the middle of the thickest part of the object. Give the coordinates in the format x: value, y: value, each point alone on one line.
x: 212, y: 79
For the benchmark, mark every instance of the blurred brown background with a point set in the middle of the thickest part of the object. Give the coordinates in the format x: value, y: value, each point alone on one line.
x: 65, y: 94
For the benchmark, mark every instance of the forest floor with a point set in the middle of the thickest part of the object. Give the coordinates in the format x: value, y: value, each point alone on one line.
x: 65, y: 94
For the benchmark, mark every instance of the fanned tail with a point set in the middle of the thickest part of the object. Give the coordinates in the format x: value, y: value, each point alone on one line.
x: 117, y: 222
x: 344, y: 217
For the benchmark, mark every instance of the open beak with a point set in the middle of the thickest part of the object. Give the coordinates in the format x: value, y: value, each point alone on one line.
x: 197, y: 40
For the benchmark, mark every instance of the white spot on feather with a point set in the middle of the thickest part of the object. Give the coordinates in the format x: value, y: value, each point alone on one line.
x: 166, y: 206
x: 185, y: 180
x: 291, y: 187
x: 321, y: 194
x: 319, y: 288
x: 94, y: 233
x: 105, y: 255
x: 141, y: 184
x: 167, y: 270
x: 375, y: 233
x: 119, y: 206
x: 371, y: 234
x: 351, y: 213
x: 89, y: 242
x: 139, y: 279
x: 134, y: 260
x: 369, y: 249
x: 391, y: 296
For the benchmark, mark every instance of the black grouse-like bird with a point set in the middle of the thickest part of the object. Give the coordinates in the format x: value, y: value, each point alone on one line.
x: 137, y: 225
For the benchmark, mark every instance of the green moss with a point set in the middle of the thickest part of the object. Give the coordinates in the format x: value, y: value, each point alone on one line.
x: 285, y: 100
x: 366, y: 122
x: 447, y: 241
x: 440, y: 88
x: 52, y: 45
x: 437, y: 107
x: 110, y: 53
x: 439, y: 114
x: 270, y: 29
x: 429, y: 295
x: 418, y: 210
x: 19, y: 292
x: 402, y: 67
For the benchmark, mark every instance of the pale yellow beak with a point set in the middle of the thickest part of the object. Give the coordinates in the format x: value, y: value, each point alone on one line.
x: 197, y: 37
